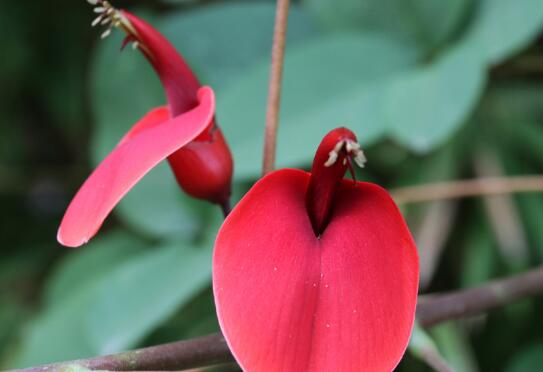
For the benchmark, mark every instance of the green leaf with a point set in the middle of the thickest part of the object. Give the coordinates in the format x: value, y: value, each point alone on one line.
x: 423, y: 347
x: 424, y: 107
x: 135, y: 299
x: 221, y: 41
x: 503, y: 27
x: 479, y: 252
x: 455, y: 347
x: 328, y: 82
x: 527, y: 360
x: 119, y: 307
x: 427, y: 23
x: 81, y: 267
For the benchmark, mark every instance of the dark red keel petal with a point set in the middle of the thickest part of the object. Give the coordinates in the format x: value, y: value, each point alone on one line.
x: 287, y: 301
x: 138, y: 153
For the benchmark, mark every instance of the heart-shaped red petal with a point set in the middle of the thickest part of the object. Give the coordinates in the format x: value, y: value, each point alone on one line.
x: 288, y: 301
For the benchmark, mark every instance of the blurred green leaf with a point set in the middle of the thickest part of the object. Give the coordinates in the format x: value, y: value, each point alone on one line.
x: 135, y: 299
x: 196, y: 318
x: 531, y: 207
x: 503, y: 27
x: 427, y: 23
x: 328, y: 82
x: 119, y: 307
x: 423, y: 347
x: 528, y: 359
x: 479, y: 251
x: 82, y: 267
x: 454, y: 344
x: 424, y: 107
x: 221, y: 41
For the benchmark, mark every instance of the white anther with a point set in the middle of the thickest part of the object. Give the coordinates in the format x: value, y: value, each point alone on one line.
x: 338, y: 146
x: 352, y: 146
x: 99, y: 9
x: 135, y: 45
x: 105, y: 21
x: 332, y: 158
x: 360, y: 158
x: 333, y: 155
x: 97, y: 20
x: 106, y: 33
x: 93, y: 2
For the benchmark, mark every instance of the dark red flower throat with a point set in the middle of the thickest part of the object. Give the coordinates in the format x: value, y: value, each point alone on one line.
x: 334, y: 156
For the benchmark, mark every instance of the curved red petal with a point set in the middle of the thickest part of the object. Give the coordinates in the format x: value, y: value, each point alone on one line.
x: 175, y: 74
x: 287, y: 301
x: 126, y: 165
x: 152, y: 119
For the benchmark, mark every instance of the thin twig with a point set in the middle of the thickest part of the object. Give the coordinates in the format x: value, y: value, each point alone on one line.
x: 180, y: 355
x: 274, y: 92
x: 467, y: 188
x: 212, y: 349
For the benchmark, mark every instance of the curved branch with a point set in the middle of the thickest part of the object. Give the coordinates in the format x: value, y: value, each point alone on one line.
x: 212, y: 349
x: 436, y: 308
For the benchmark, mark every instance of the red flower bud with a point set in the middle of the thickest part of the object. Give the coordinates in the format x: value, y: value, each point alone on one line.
x: 315, y: 273
x: 203, y: 168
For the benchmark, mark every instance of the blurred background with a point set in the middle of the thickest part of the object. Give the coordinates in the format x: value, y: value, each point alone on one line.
x: 435, y: 90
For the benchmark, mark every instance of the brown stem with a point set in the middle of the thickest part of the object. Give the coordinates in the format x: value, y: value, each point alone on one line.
x: 212, y: 349
x: 433, y: 309
x: 274, y: 92
x: 226, y: 207
x: 467, y: 188
x: 198, y: 352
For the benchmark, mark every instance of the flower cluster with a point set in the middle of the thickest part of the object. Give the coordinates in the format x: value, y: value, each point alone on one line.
x: 311, y: 272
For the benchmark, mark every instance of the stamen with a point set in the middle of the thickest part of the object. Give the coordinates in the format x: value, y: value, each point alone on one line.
x: 106, y: 33
x: 360, y: 159
x: 352, y: 149
x: 98, y: 20
x: 332, y: 157
x: 109, y: 15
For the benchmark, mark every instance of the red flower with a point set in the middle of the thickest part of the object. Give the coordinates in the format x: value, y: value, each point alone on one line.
x: 315, y: 273
x: 185, y: 133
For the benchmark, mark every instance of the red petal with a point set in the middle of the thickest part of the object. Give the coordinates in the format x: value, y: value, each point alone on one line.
x: 177, y: 78
x: 126, y: 165
x: 287, y: 301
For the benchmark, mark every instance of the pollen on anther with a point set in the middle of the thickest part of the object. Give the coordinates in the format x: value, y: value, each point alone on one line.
x: 106, y: 33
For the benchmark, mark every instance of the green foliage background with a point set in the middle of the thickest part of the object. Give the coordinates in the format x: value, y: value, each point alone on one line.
x: 435, y: 89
